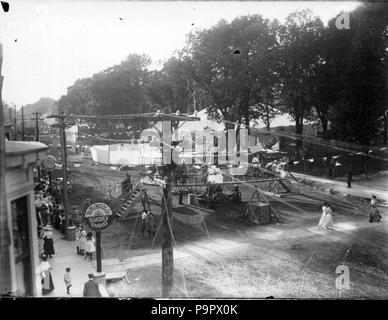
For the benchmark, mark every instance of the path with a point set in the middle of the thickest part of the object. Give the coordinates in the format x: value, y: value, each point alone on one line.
x: 66, y: 256
x: 358, y: 189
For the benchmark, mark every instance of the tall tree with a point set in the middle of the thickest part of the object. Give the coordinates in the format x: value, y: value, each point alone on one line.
x: 299, y: 57
x: 360, y: 63
x: 233, y: 63
x: 171, y: 88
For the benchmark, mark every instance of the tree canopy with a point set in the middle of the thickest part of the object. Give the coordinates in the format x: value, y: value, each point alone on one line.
x: 245, y: 69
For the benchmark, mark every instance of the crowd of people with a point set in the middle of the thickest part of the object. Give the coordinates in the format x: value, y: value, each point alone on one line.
x: 49, y: 213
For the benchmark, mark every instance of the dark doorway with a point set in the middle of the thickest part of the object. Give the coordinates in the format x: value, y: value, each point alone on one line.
x: 21, y: 243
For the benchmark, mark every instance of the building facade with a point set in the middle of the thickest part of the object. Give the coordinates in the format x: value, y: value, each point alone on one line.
x: 21, y: 157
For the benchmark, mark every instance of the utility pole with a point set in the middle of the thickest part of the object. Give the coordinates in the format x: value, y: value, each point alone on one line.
x: 167, y: 231
x: 5, y: 266
x: 14, y: 123
x: 37, y: 125
x: 385, y: 126
x: 62, y: 133
x: 22, y: 123
x: 167, y: 248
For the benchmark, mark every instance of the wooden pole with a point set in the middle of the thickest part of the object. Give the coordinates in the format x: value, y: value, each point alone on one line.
x: 22, y: 123
x: 64, y: 168
x: 167, y: 249
x: 98, y: 251
x: 14, y: 124
x: 37, y: 126
x: 5, y: 241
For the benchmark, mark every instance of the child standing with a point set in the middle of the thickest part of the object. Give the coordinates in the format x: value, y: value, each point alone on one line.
x: 90, y: 246
x: 78, y: 237
x: 67, y: 279
x: 82, y: 241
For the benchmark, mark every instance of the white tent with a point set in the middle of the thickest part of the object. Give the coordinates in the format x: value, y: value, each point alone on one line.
x: 203, y: 124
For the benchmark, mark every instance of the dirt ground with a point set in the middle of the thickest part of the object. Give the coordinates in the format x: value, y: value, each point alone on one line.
x: 228, y: 256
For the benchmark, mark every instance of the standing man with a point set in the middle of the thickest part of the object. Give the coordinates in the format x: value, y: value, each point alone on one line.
x: 255, y: 164
x: 144, y: 218
x: 91, y: 288
x: 349, y: 177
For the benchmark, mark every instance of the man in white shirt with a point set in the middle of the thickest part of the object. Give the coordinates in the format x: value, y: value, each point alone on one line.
x: 143, y: 222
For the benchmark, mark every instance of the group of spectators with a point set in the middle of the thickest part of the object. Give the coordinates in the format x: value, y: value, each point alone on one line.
x: 49, y: 208
x: 86, y: 244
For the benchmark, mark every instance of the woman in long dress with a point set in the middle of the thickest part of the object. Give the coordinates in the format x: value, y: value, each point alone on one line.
x: 326, y: 220
x: 48, y: 242
x: 374, y: 214
x: 78, y: 237
x: 46, y: 278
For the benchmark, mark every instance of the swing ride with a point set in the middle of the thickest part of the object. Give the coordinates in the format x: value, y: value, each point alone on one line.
x: 265, y: 180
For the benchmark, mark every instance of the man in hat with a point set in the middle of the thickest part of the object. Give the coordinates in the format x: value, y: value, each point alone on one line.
x: 91, y: 288
x: 349, y: 177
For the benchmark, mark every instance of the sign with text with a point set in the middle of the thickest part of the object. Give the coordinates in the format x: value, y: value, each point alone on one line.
x: 48, y: 163
x: 99, y: 215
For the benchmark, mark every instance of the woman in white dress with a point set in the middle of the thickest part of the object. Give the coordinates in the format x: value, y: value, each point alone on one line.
x: 82, y: 242
x: 90, y: 246
x: 326, y: 220
x: 45, y: 274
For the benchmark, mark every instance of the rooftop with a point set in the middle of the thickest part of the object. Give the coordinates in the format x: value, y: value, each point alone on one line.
x: 13, y: 148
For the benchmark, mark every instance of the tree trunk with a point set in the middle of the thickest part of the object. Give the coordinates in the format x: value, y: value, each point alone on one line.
x: 246, y: 115
x: 324, y: 128
x: 298, y: 131
x: 385, y: 126
x: 267, y: 109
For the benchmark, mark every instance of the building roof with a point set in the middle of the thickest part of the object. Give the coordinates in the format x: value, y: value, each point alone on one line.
x: 14, y: 148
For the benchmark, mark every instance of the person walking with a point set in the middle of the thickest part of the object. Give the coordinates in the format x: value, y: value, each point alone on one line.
x: 151, y: 225
x: 326, y: 220
x: 91, y: 288
x: 46, y: 278
x: 349, y: 178
x: 48, y: 242
x: 374, y: 214
x: 67, y: 279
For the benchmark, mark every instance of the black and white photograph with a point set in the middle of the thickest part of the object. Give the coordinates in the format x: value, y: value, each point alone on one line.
x: 194, y: 150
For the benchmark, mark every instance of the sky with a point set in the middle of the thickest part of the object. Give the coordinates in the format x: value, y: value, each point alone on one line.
x: 48, y: 45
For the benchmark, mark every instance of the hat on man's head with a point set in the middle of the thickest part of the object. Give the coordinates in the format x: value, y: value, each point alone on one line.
x: 90, y: 275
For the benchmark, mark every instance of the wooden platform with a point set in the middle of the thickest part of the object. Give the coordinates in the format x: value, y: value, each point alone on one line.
x: 259, y: 212
x: 278, y: 194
